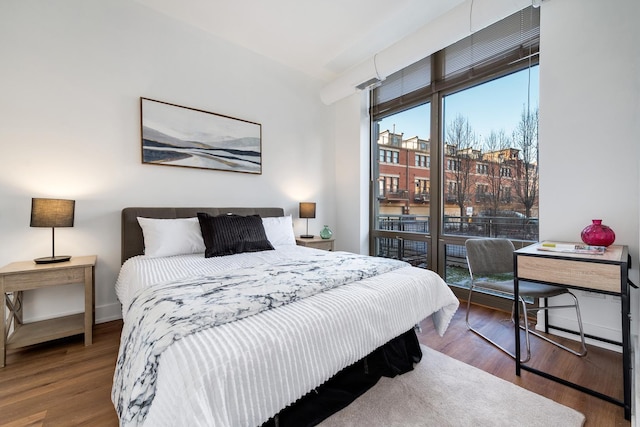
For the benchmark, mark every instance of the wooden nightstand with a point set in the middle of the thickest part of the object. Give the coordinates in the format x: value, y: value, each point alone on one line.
x: 25, y: 275
x: 316, y: 242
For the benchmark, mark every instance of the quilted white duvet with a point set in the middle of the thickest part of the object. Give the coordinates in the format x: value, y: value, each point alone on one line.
x: 243, y: 372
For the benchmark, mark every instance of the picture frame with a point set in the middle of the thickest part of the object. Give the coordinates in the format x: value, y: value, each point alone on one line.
x: 173, y: 135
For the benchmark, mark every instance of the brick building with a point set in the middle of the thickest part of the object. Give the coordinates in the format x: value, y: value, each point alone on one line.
x: 486, y: 182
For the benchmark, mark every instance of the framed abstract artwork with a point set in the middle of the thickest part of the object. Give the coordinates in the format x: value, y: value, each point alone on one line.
x: 173, y: 135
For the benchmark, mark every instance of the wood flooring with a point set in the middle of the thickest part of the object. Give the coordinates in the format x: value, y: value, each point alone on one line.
x: 64, y: 383
x: 600, y: 369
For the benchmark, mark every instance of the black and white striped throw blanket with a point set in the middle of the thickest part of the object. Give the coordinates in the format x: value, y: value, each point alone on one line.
x: 163, y: 314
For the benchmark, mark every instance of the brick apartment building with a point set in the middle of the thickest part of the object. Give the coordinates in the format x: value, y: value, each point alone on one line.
x: 488, y: 183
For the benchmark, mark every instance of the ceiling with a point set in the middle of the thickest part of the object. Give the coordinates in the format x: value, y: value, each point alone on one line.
x: 322, y: 38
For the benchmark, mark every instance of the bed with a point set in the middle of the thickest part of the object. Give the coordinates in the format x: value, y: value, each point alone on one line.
x: 252, y: 335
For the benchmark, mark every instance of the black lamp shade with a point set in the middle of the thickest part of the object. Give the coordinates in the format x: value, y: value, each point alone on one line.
x: 307, y: 210
x: 52, y: 212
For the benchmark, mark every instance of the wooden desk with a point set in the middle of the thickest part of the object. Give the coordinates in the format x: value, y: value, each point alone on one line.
x: 605, y: 274
x: 25, y: 275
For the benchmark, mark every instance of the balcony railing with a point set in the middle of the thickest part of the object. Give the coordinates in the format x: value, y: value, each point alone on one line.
x: 493, y: 226
x: 411, y: 251
x: 397, y: 195
x: 473, y: 226
x: 408, y: 223
x: 456, y: 273
x: 421, y: 197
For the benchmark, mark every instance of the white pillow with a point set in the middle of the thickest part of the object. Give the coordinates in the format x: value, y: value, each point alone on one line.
x: 168, y: 237
x: 279, y: 230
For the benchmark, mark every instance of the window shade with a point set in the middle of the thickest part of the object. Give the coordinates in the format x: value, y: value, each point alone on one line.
x: 520, y: 31
x: 414, y: 77
x: 514, y: 38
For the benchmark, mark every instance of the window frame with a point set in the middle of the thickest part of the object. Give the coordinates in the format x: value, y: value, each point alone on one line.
x: 516, y: 59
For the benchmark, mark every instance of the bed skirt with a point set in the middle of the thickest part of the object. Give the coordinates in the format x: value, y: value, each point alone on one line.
x: 394, y: 358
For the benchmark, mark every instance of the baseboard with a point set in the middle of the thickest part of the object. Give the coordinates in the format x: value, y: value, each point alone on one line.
x: 590, y: 328
x: 108, y: 312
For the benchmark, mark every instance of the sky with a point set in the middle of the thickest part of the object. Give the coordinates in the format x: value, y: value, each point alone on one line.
x: 494, y: 105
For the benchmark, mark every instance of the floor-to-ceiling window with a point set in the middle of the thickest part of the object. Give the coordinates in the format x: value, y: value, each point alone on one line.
x: 454, y: 149
x: 402, y: 201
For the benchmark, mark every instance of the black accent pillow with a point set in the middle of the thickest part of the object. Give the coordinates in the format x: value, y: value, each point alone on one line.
x: 232, y: 234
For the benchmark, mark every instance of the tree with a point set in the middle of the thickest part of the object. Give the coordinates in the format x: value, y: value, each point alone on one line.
x: 496, y: 144
x: 462, y: 153
x: 525, y: 138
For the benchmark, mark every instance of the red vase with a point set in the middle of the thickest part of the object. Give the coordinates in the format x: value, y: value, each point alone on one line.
x: 598, y: 234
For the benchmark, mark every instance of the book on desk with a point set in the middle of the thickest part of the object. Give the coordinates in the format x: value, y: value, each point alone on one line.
x: 573, y: 248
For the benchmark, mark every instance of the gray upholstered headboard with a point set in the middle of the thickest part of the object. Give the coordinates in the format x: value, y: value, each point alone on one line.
x: 133, y: 241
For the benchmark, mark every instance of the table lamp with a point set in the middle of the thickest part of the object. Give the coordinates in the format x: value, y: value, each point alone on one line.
x: 52, y: 213
x: 307, y: 210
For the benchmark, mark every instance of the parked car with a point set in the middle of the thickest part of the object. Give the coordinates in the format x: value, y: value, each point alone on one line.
x: 503, y: 214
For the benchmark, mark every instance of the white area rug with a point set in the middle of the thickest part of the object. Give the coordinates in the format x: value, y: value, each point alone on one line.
x: 442, y: 391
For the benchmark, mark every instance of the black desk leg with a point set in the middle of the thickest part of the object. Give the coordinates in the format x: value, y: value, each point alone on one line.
x: 516, y: 314
x: 625, y: 304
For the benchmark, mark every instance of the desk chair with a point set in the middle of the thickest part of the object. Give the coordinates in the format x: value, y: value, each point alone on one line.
x: 491, y: 267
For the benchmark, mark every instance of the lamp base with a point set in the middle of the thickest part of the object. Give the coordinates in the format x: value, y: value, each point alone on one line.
x: 306, y: 236
x: 52, y: 259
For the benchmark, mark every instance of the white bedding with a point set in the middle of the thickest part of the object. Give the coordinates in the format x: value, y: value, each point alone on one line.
x: 244, y: 372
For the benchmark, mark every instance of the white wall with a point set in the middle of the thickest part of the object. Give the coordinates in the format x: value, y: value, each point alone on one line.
x: 71, y: 77
x: 589, y: 132
x: 352, y: 173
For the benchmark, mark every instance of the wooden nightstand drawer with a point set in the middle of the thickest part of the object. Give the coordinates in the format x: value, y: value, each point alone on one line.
x: 39, y: 279
x: 326, y: 246
x: 316, y: 243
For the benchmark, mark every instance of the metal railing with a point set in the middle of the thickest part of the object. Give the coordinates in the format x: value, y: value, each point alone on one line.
x: 415, y: 251
x: 409, y: 223
x: 515, y: 228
